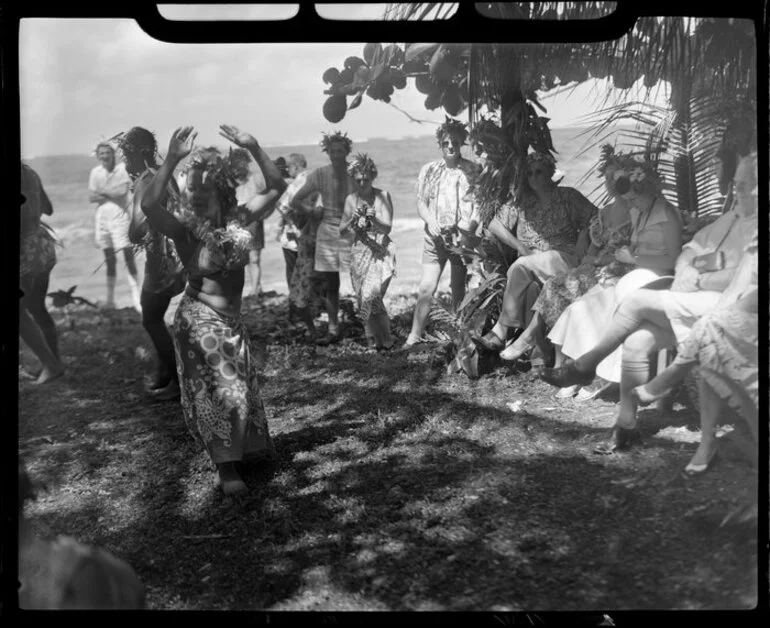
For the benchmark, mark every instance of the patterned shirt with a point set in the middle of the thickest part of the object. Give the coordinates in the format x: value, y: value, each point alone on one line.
x: 289, y: 232
x: 556, y: 228
x: 445, y: 191
x: 333, y: 192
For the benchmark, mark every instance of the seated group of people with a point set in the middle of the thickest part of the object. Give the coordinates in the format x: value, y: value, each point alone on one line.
x: 609, y: 288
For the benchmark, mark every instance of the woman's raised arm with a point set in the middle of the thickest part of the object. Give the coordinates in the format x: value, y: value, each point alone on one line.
x: 179, y: 147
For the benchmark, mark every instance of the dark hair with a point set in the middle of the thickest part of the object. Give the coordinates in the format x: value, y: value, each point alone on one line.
x: 139, y: 142
x: 729, y: 159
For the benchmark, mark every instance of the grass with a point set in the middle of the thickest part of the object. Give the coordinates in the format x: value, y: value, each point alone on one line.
x: 397, y: 486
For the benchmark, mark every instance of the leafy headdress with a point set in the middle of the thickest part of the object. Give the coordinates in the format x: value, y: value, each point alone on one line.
x: 327, y: 139
x: 362, y: 164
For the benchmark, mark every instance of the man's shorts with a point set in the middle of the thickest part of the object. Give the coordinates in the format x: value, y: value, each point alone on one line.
x: 435, y: 252
x: 332, y: 251
x: 257, y: 230
x: 111, y: 227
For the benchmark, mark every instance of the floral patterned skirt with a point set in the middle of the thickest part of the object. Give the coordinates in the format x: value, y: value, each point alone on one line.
x: 221, y: 399
x: 37, y: 253
x: 725, y: 341
x: 372, y: 267
x: 305, y: 286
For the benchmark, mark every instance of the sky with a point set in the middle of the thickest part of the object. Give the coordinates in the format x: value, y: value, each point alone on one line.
x: 83, y: 80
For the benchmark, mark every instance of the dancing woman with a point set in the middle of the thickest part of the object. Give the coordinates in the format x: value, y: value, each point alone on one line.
x: 37, y: 258
x: 220, y: 387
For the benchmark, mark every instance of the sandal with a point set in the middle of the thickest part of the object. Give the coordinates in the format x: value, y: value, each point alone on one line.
x: 593, y: 390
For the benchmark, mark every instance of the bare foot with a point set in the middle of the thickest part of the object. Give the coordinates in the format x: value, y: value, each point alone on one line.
x: 49, y: 375
x: 230, y: 480
x: 648, y: 394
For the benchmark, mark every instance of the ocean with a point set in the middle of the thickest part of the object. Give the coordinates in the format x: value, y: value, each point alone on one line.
x: 80, y: 262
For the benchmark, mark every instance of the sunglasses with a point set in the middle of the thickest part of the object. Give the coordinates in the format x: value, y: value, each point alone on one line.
x: 531, y: 173
x: 446, y: 144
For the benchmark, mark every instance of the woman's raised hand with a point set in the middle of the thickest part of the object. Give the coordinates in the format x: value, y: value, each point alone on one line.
x: 237, y: 137
x: 181, y: 143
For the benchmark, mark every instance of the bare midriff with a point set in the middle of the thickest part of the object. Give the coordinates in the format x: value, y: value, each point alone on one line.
x: 220, y: 292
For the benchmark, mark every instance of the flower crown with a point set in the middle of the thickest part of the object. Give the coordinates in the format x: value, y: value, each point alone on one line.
x: 452, y: 126
x: 484, y: 130
x: 609, y: 158
x: 363, y: 165
x: 219, y: 169
x: 637, y: 169
x: 337, y: 136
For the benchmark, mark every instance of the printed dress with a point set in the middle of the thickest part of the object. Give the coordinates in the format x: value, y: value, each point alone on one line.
x: 373, y: 263
x: 725, y: 341
x: 220, y: 388
x: 564, y: 289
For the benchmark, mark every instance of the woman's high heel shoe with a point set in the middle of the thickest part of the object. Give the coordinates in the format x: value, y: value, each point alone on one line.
x: 516, y: 350
x: 567, y: 375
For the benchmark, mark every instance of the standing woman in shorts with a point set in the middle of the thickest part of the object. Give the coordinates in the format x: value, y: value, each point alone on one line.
x: 108, y: 188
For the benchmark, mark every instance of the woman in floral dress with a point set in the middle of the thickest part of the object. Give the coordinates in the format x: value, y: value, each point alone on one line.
x: 369, y: 214
x: 219, y: 384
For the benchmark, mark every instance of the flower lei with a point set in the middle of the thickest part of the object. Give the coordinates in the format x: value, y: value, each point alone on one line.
x: 337, y: 136
x: 451, y: 126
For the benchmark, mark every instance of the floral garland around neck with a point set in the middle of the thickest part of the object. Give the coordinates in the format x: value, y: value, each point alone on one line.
x: 231, y: 241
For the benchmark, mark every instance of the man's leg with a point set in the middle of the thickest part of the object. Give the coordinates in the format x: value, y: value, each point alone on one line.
x: 431, y: 274
x: 290, y: 260
x: 154, y: 308
x: 112, y: 275
x: 133, y: 275
x: 255, y: 271
x: 459, y: 273
x: 332, y: 281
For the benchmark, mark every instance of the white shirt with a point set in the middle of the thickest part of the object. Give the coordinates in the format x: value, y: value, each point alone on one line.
x: 116, y: 184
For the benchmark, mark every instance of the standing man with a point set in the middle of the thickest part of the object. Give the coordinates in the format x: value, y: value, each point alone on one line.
x: 332, y: 253
x: 108, y: 187
x: 288, y: 230
x: 450, y: 218
x: 247, y: 189
x: 163, y: 270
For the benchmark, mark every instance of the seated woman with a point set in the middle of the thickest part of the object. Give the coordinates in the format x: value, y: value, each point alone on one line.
x: 723, y: 343
x: 551, y: 227
x: 654, y: 246
x: 609, y: 229
x: 647, y: 320
x: 369, y: 214
x: 37, y: 257
x: 218, y: 376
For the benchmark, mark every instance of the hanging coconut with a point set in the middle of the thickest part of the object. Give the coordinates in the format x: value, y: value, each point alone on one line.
x: 334, y: 108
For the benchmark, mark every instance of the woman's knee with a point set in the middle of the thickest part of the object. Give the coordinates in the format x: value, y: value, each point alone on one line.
x: 640, y: 344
